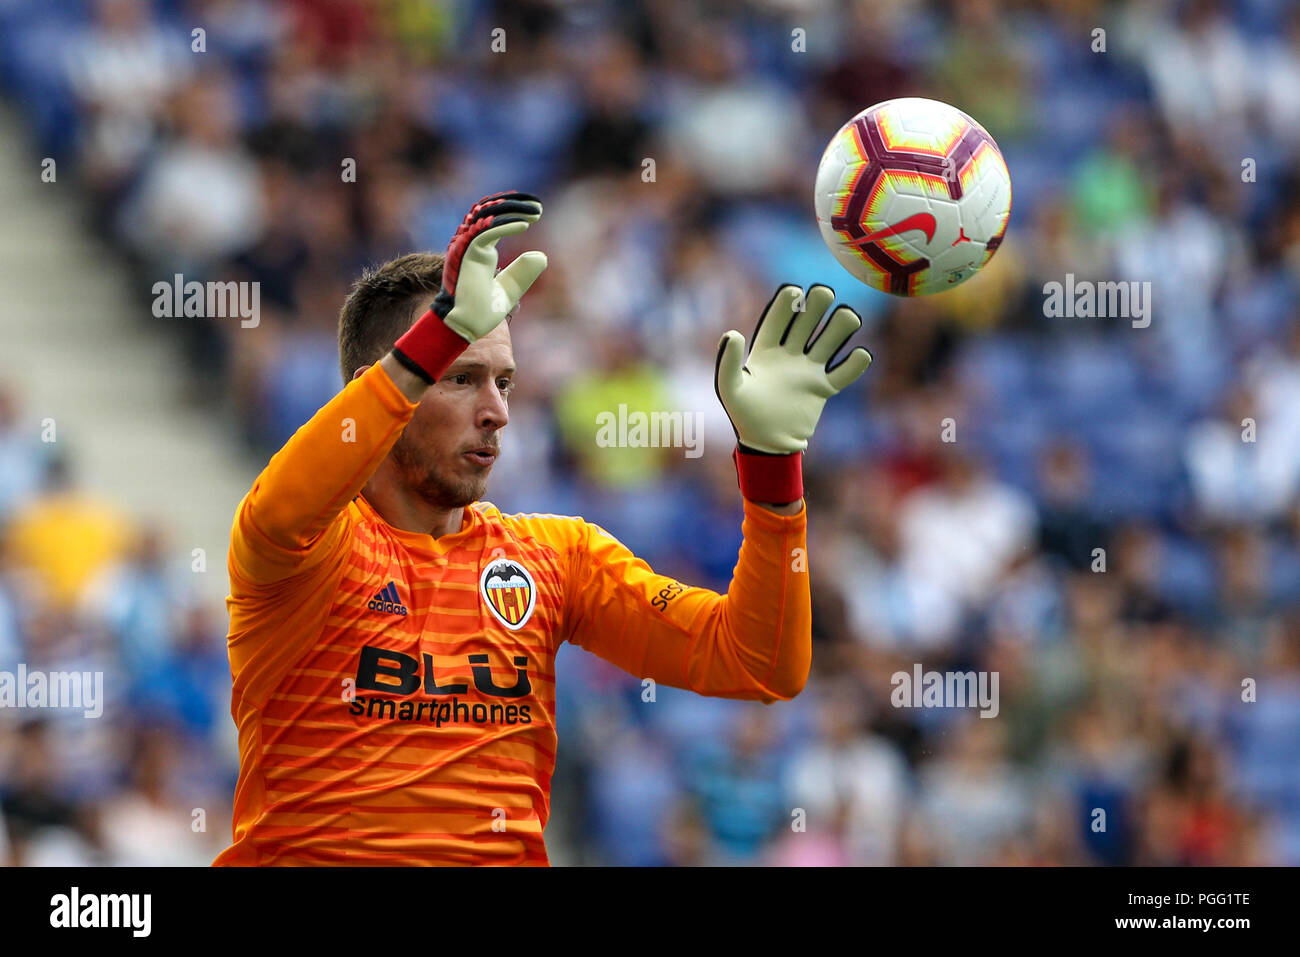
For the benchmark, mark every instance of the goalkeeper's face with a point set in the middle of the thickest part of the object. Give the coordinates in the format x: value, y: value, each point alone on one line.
x: 446, y: 452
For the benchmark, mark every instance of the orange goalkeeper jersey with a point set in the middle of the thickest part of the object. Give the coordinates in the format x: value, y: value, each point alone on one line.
x: 395, y: 692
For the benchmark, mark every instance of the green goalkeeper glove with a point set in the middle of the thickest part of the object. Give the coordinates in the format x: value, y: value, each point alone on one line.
x: 775, y: 397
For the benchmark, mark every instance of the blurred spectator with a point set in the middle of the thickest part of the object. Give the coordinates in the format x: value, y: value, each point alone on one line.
x: 1069, y: 531
x: 188, y: 687
x: 44, y: 828
x: 598, y: 412
x: 972, y: 801
x: 65, y: 536
x: 1237, y: 473
x: 889, y: 603
x: 1200, y: 69
x: 996, y: 522
x: 146, y: 825
x: 1279, y: 77
x: 685, y: 837
x: 138, y: 598
x: 199, y: 201
x: 121, y: 69
x: 851, y: 783
x: 738, y: 785
x: 1110, y: 191
x: 613, y: 135
x: 982, y: 45
x: 716, y: 94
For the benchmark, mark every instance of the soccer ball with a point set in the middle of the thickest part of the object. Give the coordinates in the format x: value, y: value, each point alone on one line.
x: 912, y: 196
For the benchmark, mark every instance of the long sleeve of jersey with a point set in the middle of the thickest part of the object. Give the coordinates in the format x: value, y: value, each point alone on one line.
x: 292, y: 539
x: 754, y: 642
x: 293, y: 518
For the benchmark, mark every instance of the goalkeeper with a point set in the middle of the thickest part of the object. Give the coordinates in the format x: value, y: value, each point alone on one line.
x: 393, y: 637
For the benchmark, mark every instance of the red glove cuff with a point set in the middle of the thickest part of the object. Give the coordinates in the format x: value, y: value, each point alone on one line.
x: 770, y: 479
x: 428, y: 347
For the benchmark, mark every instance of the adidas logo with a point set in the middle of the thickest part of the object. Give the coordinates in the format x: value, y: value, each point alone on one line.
x: 386, y: 600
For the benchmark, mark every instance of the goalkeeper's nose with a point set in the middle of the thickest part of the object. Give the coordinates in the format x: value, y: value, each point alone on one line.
x: 493, y: 411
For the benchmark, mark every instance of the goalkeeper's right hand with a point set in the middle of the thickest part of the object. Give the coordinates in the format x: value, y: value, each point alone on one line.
x: 474, y: 298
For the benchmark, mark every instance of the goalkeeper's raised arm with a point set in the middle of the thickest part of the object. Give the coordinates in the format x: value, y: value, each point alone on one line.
x: 292, y: 517
x: 756, y: 641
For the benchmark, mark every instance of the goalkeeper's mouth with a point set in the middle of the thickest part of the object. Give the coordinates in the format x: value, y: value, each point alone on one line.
x: 483, y: 455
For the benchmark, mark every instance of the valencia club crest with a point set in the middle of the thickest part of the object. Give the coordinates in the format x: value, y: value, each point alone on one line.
x: 509, y: 591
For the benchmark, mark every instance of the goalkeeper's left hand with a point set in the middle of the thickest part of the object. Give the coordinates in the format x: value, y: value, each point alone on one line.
x: 775, y: 397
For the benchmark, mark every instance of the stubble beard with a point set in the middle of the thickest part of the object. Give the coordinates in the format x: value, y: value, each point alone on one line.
x: 434, y: 486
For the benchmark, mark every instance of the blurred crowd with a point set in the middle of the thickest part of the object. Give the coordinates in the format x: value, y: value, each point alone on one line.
x: 1107, y: 516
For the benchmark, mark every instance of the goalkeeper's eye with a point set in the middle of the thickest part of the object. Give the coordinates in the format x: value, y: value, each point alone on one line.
x: 506, y: 385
